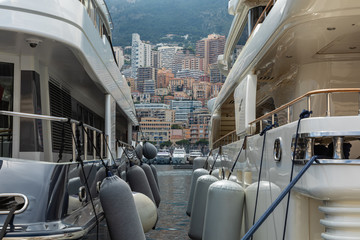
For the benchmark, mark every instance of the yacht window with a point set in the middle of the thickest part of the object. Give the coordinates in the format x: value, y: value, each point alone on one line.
x: 31, y: 131
x: 6, y: 103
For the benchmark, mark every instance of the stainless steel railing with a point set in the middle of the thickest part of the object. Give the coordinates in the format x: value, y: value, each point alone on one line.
x: 257, y: 124
x: 73, y: 123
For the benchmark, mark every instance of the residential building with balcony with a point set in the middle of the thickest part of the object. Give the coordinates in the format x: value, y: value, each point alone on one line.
x: 155, y: 130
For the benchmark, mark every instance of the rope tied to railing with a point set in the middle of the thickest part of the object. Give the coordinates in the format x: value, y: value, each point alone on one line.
x: 263, y: 133
x: 238, y: 156
x: 62, y: 140
x: 303, y: 114
x: 272, y: 207
x: 212, y: 167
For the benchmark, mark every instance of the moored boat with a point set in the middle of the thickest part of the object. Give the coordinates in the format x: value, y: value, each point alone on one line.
x: 163, y: 157
x: 178, y: 156
x: 300, y: 55
x: 64, y: 108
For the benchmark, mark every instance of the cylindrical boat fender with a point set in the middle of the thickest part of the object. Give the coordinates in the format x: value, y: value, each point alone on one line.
x: 198, y: 208
x: 152, y: 182
x: 196, y: 174
x: 198, y: 162
x: 120, y: 211
x: 268, y: 192
x: 216, y: 173
x: 138, y: 181
x: 123, y: 176
x: 233, y: 179
x: 153, y: 168
x: 146, y: 209
x: 224, y: 211
x: 149, y: 150
x: 139, y: 151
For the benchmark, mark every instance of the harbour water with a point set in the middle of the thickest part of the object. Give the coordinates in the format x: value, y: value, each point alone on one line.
x: 174, y: 189
x: 173, y: 222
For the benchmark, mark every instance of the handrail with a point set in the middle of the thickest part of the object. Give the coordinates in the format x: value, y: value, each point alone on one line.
x: 264, y: 14
x: 296, y: 100
x: 272, y: 207
x: 47, y: 117
x: 331, y: 90
x: 223, y: 138
x: 73, y: 128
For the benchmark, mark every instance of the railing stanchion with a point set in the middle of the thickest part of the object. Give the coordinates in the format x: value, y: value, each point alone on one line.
x: 94, y: 142
x: 328, y: 113
x: 102, y: 144
x: 85, y: 143
x: 73, y: 126
x: 288, y: 114
x: 309, y: 103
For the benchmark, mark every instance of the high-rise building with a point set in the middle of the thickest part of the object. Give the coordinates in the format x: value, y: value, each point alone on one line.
x: 149, y: 86
x: 132, y: 84
x: 201, y: 90
x: 167, y: 57
x: 155, y: 130
x: 145, y: 73
x: 183, y: 108
x: 140, y: 54
x: 194, y: 63
x: 210, y: 48
x: 155, y: 59
x: 189, y: 73
x: 215, y: 74
x: 119, y: 56
x: 215, y: 89
x: 163, y: 77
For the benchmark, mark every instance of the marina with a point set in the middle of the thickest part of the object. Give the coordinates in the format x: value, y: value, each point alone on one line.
x: 283, y: 131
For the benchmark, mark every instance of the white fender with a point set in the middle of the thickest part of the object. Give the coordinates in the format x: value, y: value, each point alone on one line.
x: 198, y: 208
x: 146, y: 209
x: 224, y: 211
x: 196, y: 174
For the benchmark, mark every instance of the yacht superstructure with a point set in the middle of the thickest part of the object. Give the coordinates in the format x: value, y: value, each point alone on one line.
x: 300, y: 55
x: 64, y: 107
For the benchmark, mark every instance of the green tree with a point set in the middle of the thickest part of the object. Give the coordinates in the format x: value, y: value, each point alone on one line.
x: 183, y: 142
x: 202, y: 142
x: 165, y: 144
x: 175, y: 126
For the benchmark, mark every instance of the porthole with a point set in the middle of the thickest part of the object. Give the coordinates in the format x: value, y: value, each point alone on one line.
x: 277, y: 150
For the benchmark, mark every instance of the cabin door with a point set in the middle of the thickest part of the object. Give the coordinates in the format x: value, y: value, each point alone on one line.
x: 6, y: 103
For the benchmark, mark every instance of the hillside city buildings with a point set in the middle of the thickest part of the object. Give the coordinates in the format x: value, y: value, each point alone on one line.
x: 171, y: 87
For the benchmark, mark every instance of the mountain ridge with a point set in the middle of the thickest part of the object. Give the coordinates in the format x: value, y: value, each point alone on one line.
x: 154, y: 19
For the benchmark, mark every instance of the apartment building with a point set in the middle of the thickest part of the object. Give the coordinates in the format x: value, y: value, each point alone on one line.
x: 155, y: 130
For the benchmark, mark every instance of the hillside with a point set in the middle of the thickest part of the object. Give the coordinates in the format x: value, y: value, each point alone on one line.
x: 155, y: 19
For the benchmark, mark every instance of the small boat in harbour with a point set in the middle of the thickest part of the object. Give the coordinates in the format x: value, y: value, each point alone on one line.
x: 194, y: 154
x: 163, y: 157
x: 291, y: 102
x: 178, y: 156
x: 65, y: 107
